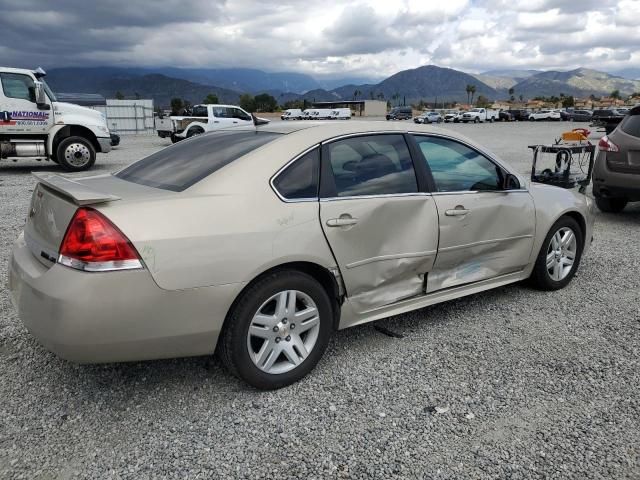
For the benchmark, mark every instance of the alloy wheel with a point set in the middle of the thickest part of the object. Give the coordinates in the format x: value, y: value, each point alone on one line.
x: 561, y: 253
x: 283, y: 332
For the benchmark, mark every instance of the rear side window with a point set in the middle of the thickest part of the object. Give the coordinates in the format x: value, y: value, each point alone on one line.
x: 372, y: 165
x: 200, y: 111
x: 178, y: 167
x: 300, y: 179
x: 631, y: 125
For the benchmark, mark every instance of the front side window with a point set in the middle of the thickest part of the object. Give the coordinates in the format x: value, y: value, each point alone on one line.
x: 372, y: 165
x: 300, y: 180
x: 458, y: 168
x: 15, y: 85
x: 186, y: 163
x: 240, y: 114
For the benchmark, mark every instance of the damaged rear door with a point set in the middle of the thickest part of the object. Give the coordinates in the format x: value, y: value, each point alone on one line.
x: 381, y: 225
x: 486, y: 227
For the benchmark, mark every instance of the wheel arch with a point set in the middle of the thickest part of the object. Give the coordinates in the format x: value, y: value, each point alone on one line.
x: 321, y: 274
x: 72, y: 131
x: 579, y: 218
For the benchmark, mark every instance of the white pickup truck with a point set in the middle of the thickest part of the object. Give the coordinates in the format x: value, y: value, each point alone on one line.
x: 476, y: 115
x: 203, y: 118
x: 35, y: 126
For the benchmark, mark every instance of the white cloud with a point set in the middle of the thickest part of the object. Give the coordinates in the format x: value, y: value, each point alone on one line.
x: 371, y: 38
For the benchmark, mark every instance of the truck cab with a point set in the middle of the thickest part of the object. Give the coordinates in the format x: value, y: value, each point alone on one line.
x: 35, y: 126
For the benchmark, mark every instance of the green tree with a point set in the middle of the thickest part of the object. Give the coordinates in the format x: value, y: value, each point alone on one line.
x: 119, y: 95
x: 380, y: 96
x: 511, y: 92
x: 483, y: 102
x: 615, y: 94
x: 473, y: 92
x: 568, y: 101
x: 521, y: 97
x: 247, y: 102
x: 293, y: 104
x: 356, y: 93
x: 265, y: 102
x: 211, y: 98
x: 176, y: 106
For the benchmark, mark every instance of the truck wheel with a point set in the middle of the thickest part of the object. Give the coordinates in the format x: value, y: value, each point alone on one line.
x: 75, y: 154
x: 476, y: 120
x: 174, y: 138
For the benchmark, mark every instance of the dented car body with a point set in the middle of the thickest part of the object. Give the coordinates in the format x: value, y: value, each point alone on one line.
x: 388, y: 218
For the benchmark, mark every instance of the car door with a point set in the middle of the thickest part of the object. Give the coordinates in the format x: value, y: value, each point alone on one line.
x: 486, y: 230
x: 240, y: 117
x: 220, y: 118
x: 380, y: 223
x: 19, y: 112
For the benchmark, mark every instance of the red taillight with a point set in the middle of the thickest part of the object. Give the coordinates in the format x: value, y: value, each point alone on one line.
x: 93, y: 243
x: 606, y: 145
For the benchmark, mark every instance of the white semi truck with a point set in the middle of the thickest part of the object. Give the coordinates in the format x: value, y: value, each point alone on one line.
x: 35, y: 126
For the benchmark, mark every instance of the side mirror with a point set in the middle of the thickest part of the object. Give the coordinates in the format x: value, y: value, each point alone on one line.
x: 511, y: 182
x: 41, y: 97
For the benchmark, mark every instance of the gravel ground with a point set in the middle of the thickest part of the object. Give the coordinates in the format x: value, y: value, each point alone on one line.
x: 511, y: 383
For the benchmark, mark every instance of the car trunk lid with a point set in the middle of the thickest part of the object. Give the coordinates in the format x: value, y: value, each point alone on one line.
x: 627, y: 138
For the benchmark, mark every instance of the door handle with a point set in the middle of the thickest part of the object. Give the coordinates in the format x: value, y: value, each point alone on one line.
x: 456, y: 212
x: 341, y: 222
x: 235, y: 121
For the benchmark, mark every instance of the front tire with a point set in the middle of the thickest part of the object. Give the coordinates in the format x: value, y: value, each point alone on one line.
x: 278, y: 330
x: 559, y: 256
x: 611, y: 205
x: 75, y: 154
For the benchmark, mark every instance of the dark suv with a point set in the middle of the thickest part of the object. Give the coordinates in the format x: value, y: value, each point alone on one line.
x: 400, y: 113
x: 608, y: 118
x: 616, y: 174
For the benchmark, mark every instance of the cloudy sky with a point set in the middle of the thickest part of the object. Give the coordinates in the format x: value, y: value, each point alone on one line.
x: 336, y: 38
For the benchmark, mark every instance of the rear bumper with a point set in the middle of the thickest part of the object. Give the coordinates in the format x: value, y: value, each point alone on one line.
x: 113, y: 316
x: 105, y: 144
x: 610, y: 184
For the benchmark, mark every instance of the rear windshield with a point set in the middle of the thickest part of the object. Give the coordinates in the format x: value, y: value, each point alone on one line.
x: 178, y: 167
x: 631, y: 124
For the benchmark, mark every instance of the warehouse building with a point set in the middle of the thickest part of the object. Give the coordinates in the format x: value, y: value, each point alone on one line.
x: 360, y: 108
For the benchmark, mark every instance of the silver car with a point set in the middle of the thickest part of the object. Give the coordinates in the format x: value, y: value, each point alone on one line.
x: 261, y: 243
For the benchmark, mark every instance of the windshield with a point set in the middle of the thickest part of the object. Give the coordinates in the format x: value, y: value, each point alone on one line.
x: 48, y: 91
x: 180, y: 166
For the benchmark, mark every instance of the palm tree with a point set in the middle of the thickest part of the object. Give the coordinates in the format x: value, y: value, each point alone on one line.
x: 468, y: 90
x: 511, y: 92
x: 473, y: 92
x: 356, y: 93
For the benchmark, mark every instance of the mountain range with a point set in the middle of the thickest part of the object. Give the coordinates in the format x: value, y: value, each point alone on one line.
x: 429, y: 83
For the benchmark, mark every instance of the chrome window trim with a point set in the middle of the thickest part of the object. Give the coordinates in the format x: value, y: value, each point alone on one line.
x: 282, y: 169
x: 382, y: 195
x: 467, y: 192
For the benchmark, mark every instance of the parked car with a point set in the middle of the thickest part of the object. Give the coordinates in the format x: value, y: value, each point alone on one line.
x: 521, y: 114
x: 545, y: 115
x: 428, y: 117
x: 340, y: 114
x: 608, y: 118
x: 476, y: 115
x: 400, y: 113
x: 505, y: 116
x: 566, y: 115
x: 581, y: 115
x: 280, y: 268
x: 452, y: 116
x: 616, y: 171
x: 291, y: 114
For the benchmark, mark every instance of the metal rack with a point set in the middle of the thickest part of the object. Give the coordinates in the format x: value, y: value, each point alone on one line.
x: 568, y: 167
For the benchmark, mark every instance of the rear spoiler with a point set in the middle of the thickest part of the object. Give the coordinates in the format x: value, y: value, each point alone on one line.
x: 79, y: 193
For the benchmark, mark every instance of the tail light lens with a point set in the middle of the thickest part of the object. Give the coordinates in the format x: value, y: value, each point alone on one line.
x: 606, y: 145
x: 93, y: 244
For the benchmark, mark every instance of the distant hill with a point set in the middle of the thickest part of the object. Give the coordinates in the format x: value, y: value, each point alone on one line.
x: 428, y: 83
x: 581, y: 82
x: 159, y: 87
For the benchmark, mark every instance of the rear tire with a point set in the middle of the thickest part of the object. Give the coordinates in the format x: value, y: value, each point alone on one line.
x: 75, y: 154
x: 194, y: 131
x: 611, y: 205
x: 174, y: 138
x: 257, y: 310
x: 551, y: 270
